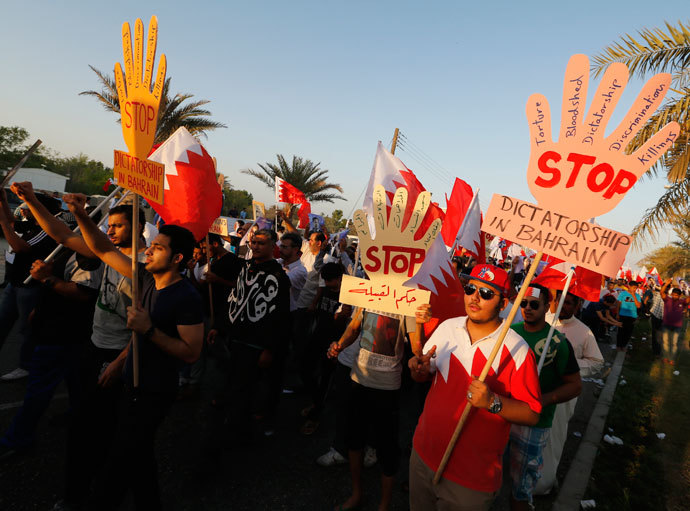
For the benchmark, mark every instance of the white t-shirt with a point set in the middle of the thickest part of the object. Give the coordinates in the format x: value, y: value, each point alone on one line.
x: 110, y: 315
x: 379, y: 362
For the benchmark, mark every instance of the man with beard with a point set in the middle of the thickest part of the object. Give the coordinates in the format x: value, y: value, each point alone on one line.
x: 559, y: 381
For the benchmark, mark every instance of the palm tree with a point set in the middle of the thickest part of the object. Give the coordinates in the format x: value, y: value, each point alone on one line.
x: 305, y: 175
x: 171, y: 115
x: 659, y: 51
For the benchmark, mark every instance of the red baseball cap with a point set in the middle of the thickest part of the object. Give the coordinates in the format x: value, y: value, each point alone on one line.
x: 491, y: 275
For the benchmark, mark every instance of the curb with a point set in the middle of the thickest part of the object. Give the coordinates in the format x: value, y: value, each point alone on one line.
x: 577, y: 479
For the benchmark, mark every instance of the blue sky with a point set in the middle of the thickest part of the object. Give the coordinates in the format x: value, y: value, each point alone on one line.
x: 327, y: 80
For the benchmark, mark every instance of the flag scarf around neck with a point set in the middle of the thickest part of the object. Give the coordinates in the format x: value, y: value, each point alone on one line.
x: 192, y: 196
x: 289, y: 194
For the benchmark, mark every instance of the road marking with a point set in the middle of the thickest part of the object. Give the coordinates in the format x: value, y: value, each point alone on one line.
x: 17, y: 404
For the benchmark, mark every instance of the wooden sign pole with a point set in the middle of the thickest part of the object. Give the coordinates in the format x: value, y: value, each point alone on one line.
x: 487, y: 366
x: 135, y: 284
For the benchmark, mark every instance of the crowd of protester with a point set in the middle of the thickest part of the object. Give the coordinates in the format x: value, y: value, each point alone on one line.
x: 261, y: 303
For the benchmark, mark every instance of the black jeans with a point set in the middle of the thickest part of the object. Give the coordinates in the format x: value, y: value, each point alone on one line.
x: 378, y: 409
x: 91, y: 426
x: 656, y: 324
x: 625, y: 332
x: 131, y: 462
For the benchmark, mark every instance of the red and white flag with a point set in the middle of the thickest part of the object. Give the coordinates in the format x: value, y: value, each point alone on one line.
x: 585, y: 283
x: 289, y: 194
x: 192, y: 197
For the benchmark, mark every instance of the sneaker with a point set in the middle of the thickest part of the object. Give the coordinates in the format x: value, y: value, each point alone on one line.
x: 17, y: 374
x: 370, y: 457
x: 331, y: 458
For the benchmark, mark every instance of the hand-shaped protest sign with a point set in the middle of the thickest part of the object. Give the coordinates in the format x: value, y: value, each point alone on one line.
x: 138, y: 103
x: 392, y: 257
x: 586, y: 173
x: 139, y: 112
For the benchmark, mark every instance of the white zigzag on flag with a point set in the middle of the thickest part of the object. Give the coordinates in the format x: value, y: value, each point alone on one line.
x: 175, y: 150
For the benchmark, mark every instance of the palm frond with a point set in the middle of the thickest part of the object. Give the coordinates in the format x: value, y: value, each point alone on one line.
x: 654, y: 51
x: 672, y: 203
x: 173, y: 112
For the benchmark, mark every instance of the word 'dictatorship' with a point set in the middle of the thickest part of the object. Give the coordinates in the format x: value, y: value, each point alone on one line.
x: 588, y: 245
x: 143, y: 177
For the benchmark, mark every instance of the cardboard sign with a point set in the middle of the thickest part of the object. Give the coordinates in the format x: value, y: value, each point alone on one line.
x: 377, y: 295
x: 143, y: 177
x: 258, y: 209
x: 394, y: 256
x: 574, y: 240
x: 220, y: 226
x: 138, y: 102
x: 586, y: 174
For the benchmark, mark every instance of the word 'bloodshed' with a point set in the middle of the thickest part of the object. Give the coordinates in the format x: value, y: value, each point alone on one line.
x: 397, y: 259
x: 589, y: 245
x: 599, y: 178
x: 139, y: 116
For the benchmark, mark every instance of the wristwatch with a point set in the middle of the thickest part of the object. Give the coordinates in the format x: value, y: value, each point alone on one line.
x: 149, y: 333
x: 497, y: 405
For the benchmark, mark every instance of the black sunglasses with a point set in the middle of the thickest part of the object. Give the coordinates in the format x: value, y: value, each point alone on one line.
x: 484, y: 292
x: 533, y: 304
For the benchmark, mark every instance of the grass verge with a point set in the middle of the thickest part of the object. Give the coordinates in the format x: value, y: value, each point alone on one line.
x: 647, y: 472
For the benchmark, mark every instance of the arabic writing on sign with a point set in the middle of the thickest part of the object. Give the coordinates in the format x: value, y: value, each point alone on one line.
x: 406, y: 295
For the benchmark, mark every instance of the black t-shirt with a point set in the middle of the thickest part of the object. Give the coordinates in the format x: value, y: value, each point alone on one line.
x: 325, y: 325
x: 19, y: 264
x: 590, y: 312
x: 571, y: 366
x: 176, y: 304
x: 227, y: 267
x: 60, y: 320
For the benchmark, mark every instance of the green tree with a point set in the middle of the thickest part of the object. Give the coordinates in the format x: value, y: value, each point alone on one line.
x: 172, y: 114
x: 85, y: 175
x: 673, y: 259
x: 303, y: 174
x: 335, y: 222
x: 239, y: 199
x: 654, y: 51
x: 14, y: 142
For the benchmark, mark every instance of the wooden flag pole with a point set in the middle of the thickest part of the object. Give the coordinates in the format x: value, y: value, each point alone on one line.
x: 487, y: 366
x: 135, y: 284
x: 394, y: 144
x: 20, y: 164
x: 101, y: 206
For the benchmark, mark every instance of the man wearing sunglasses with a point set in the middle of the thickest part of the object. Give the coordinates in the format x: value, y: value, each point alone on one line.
x: 454, y: 356
x: 560, y: 382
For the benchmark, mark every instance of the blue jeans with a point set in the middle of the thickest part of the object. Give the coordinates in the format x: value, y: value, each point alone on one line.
x: 16, y: 304
x: 47, y: 368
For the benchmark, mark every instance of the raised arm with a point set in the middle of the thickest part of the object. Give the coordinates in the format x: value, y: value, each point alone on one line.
x: 7, y: 225
x: 53, y: 227
x: 96, y: 239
